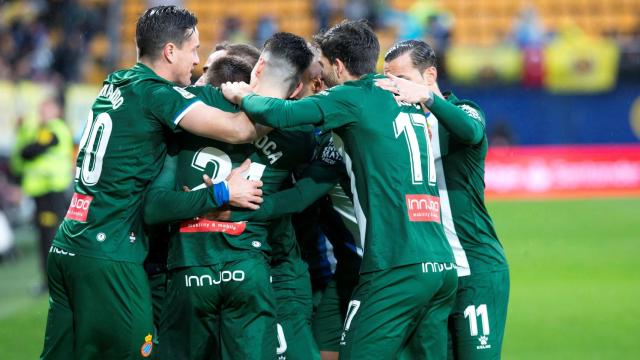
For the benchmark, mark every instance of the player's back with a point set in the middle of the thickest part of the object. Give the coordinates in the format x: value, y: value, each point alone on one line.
x: 205, y: 242
x: 282, y: 151
x: 122, y: 149
x: 390, y: 162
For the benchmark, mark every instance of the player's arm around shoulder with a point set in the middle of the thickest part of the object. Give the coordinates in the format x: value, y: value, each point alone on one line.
x: 207, y: 121
x: 177, y: 107
x: 463, y: 118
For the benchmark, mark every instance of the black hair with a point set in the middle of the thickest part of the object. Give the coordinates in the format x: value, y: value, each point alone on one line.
x: 161, y: 25
x: 354, y: 43
x: 291, y: 48
x: 228, y: 68
x: 422, y: 55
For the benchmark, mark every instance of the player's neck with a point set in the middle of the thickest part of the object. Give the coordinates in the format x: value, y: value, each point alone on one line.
x: 348, y: 77
x: 436, y: 90
x: 160, y: 68
x: 271, y: 90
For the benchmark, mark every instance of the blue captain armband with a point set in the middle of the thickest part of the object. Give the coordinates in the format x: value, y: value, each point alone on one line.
x: 221, y: 193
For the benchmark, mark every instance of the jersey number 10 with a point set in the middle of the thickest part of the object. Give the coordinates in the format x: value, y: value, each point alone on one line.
x: 93, y: 145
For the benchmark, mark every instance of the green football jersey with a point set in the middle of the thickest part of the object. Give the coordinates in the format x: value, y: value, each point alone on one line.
x: 460, y: 174
x: 286, y: 258
x: 122, y: 149
x: 200, y: 241
x: 388, y: 157
x: 282, y: 151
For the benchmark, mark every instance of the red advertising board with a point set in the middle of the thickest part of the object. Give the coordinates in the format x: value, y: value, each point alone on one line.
x: 563, y: 171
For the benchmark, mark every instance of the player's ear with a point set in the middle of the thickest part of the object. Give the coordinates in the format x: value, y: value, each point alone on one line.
x: 339, y: 67
x: 296, y: 91
x: 169, y: 52
x: 431, y: 75
x: 317, y: 84
x: 259, y: 68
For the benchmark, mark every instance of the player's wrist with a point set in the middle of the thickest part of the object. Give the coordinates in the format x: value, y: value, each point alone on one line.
x: 429, y: 97
x: 221, y: 193
x: 243, y: 97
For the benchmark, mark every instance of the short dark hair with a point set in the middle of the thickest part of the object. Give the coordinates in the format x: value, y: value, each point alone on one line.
x: 228, y: 68
x: 354, y: 43
x: 293, y: 51
x: 290, y: 47
x: 422, y: 55
x: 248, y: 52
x: 161, y: 25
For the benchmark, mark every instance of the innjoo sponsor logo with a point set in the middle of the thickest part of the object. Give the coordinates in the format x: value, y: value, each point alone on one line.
x: 423, y: 208
x: 209, y: 280
x: 79, y: 207
x: 428, y: 267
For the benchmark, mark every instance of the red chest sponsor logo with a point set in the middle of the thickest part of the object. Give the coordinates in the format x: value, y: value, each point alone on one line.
x: 198, y: 225
x: 79, y: 207
x: 423, y: 208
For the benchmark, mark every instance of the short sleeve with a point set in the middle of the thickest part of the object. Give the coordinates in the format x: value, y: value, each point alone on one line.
x: 169, y: 104
x: 340, y: 106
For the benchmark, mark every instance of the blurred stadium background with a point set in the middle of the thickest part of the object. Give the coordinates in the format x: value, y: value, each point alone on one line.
x: 559, y: 81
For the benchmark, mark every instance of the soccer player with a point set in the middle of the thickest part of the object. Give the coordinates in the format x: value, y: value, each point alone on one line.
x: 228, y: 68
x: 477, y: 322
x: 219, y: 299
x: 248, y: 53
x: 100, y: 304
x: 335, y: 216
x: 408, y: 281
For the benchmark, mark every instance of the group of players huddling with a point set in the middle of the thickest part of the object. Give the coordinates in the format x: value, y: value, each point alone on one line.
x: 206, y: 166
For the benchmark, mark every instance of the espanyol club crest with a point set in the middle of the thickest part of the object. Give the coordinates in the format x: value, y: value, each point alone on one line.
x: 146, y: 348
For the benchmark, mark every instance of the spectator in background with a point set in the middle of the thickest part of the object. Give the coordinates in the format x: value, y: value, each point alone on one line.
x: 232, y: 30
x: 322, y: 10
x: 501, y: 134
x: 528, y: 31
x: 265, y: 28
x: 43, y: 159
x: 364, y: 9
x: 530, y: 36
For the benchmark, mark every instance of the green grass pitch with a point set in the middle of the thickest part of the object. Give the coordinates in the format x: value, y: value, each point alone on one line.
x: 575, y: 282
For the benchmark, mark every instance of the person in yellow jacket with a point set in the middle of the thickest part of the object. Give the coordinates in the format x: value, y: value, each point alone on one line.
x: 42, y: 158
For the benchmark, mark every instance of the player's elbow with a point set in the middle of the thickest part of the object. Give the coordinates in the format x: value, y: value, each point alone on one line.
x: 243, y: 135
x: 149, y: 215
x: 473, y: 138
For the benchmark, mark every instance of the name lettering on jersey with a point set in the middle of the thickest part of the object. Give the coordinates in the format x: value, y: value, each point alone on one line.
x: 185, y: 94
x: 201, y: 225
x: 330, y: 154
x: 423, y: 208
x: 428, y: 267
x: 112, y: 93
x: 470, y: 111
x: 268, y: 148
x: 208, y: 280
x: 79, y: 207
